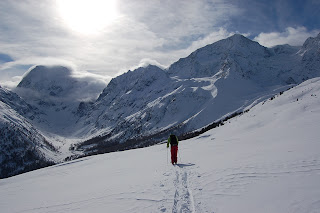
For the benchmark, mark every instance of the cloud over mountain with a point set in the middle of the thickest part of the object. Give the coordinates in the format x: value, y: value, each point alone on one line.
x: 292, y: 36
x: 60, y: 83
x: 163, y: 31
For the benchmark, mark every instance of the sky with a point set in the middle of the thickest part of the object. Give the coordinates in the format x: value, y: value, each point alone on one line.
x: 106, y: 38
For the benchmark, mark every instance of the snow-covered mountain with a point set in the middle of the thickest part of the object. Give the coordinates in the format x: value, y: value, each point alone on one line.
x: 48, y: 81
x: 228, y: 76
x: 142, y: 107
x: 266, y: 160
x: 35, y: 118
x: 22, y: 147
x: 56, y: 91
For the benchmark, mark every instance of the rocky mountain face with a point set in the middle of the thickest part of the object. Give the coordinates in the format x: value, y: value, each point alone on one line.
x: 143, y: 106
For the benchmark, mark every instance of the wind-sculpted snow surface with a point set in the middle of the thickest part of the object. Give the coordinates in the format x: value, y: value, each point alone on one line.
x: 266, y: 160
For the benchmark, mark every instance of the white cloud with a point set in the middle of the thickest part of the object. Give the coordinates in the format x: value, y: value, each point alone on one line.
x: 146, y: 32
x: 49, y: 61
x: 211, y: 38
x: 157, y: 30
x: 91, y: 85
x: 11, y: 83
x: 147, y: 61
x: 292, y: 36
x: 76, y: 85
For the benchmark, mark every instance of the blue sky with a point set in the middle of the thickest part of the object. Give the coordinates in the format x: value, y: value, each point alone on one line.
x: 106, y: 38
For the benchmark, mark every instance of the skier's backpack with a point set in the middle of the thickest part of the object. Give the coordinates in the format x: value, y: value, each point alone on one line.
x: 173, y: 140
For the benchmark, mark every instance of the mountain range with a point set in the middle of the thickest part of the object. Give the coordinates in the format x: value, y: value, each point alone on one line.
x: 265, y: 160
x: 53, y: 115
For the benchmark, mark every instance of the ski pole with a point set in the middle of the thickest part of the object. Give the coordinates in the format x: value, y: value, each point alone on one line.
x: 167, y: 156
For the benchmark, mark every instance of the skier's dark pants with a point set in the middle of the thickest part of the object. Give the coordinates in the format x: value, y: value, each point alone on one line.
x: 174, y: 153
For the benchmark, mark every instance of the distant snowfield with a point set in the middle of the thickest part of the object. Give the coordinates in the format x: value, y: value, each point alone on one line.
x: 266, y: 160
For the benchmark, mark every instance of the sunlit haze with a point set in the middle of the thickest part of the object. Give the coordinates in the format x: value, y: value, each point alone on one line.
x: 87, y: 16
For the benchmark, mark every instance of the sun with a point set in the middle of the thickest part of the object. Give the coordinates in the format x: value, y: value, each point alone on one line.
x: 87, y: 16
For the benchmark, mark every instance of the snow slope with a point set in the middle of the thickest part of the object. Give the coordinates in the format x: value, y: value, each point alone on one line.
x: 266, y: 160
x: 22, y: 146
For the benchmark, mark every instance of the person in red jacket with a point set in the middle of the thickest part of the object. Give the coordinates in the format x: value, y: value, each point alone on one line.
x: 173, y: 141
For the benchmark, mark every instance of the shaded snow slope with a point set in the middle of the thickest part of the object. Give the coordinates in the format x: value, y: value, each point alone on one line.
x: 22, y: 146
x: 266, y: 160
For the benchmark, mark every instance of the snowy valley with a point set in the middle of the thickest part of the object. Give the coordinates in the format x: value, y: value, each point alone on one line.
x: 266, y: 160
x: 67, y: 117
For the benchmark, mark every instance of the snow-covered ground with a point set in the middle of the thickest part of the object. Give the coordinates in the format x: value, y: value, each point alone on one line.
x: 266, y: 160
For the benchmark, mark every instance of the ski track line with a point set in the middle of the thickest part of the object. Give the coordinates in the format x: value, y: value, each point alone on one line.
x: 183, y: 198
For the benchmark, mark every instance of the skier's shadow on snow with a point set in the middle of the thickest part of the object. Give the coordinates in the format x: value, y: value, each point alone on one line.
x: 181, y: 165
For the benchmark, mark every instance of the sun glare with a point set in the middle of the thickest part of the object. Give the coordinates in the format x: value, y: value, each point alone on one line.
x: 87, y: 16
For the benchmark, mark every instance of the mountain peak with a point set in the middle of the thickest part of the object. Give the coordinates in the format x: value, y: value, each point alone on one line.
x: 42, y: 73
x: 138, y: 78
x: 238, y: 40
x: 238, y: 37
x: 148, y: 68
x: 312, y: 42
x: 48, y: 80
x: 234, y: 48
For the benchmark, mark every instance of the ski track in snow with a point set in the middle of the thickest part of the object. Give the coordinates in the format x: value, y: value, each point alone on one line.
x: 183, y: 199
x: 177, y: 188
x: 231, y: 182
